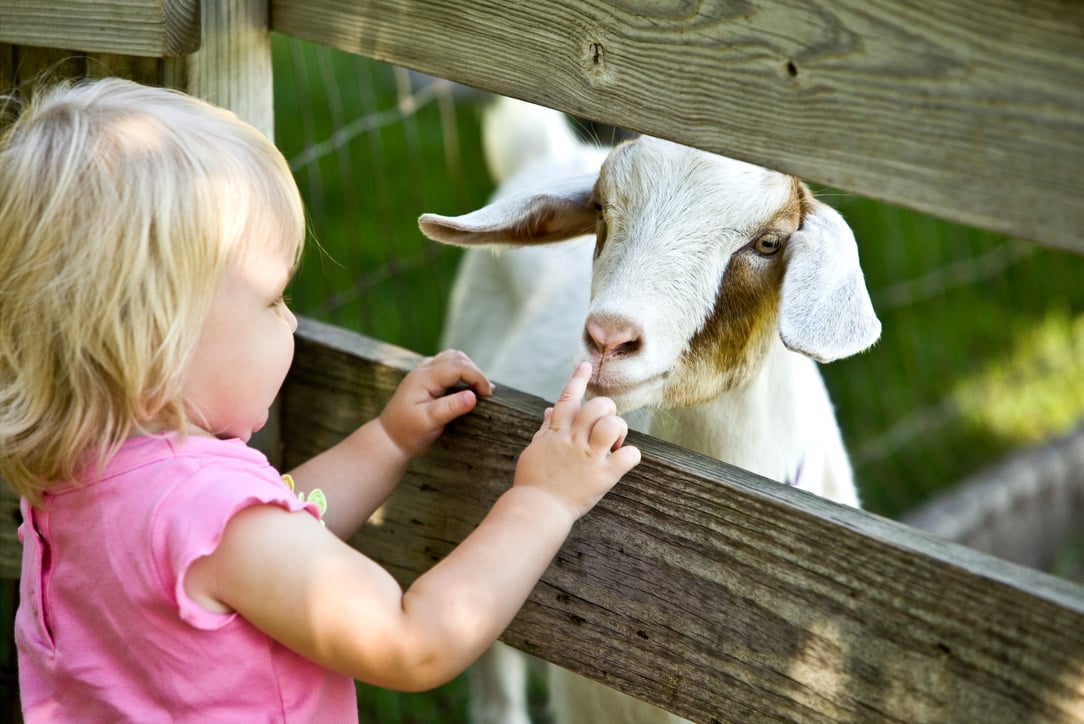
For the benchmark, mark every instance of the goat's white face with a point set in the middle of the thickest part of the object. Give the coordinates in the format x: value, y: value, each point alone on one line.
x: 700, y: 262
x: 687, y: 272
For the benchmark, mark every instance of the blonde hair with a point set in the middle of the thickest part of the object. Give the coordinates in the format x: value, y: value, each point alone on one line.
x: 120, y: 207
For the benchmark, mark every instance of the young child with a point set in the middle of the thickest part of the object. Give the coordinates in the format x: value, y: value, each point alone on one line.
x: 169, y: 573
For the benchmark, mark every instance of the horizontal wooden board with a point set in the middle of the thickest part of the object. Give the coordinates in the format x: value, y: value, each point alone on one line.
x: 971, y: 111
x: 715, y: 593
x: 155, y: 28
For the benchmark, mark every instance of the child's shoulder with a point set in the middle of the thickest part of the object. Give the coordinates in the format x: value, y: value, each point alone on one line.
x: 149, y: 471
x: 182, y: 481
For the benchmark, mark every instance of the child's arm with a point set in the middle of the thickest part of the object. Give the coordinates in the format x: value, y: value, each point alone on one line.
x: 359, y: 473
x: 307, y: 589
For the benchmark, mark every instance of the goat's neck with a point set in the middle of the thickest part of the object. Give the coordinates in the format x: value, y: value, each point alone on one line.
x: 758, y: 426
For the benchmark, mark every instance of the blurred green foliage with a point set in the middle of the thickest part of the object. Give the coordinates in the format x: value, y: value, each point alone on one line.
x: 365, y: 187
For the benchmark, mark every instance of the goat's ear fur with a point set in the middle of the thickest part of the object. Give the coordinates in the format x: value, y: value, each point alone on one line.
x: 825, y: 310
x: 563, y: 211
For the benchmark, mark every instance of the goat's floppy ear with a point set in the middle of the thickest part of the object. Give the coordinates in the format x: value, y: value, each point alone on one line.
x: 825, y: 310
x: 564, y: 210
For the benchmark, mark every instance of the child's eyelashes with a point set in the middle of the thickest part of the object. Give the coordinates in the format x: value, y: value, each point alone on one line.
x: 281, y: 300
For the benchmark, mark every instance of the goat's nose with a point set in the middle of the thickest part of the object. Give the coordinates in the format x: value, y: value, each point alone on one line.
x: 613, y: 336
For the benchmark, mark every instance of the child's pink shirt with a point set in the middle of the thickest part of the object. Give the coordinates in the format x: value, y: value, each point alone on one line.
x: 105, y: 631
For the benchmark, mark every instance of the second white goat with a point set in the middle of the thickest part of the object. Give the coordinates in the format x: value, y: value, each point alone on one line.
x: 715, y: 286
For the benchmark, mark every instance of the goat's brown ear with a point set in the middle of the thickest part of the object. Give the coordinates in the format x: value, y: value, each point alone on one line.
x: 562, y: 211
x: 825, y: 310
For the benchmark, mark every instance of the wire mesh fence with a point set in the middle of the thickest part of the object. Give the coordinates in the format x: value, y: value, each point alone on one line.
x: 372, y: 147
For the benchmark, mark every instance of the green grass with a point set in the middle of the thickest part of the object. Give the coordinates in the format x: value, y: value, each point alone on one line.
x: 377, y: 274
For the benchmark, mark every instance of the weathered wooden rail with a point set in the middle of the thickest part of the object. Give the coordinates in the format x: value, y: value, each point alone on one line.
x: 695, y: 585
x: 972, y: 111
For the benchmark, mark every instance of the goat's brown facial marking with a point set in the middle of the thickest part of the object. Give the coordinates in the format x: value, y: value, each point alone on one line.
x: 729, y: 347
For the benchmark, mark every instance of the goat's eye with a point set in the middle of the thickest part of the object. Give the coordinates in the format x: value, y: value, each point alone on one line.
x: 768, y: 244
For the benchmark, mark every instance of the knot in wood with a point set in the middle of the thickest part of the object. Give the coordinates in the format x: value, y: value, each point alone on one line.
x: 595, y: 68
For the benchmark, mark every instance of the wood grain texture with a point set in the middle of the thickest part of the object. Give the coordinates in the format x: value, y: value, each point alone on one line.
x: 24, y: 67
x: 971, y: 111
x: 232, y: 68
x: 154, y: 28
x: 712, y: 592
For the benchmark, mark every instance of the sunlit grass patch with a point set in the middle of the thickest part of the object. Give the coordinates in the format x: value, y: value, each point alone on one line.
x: 1036, y: 389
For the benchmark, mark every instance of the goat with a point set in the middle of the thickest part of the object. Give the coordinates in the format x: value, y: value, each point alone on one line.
x: 714, y: 287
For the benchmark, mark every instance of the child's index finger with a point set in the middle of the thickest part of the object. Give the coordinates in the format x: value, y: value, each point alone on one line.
x: 568, y: 404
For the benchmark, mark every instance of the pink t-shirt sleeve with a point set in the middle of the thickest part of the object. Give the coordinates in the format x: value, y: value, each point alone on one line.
x: 189, y: 522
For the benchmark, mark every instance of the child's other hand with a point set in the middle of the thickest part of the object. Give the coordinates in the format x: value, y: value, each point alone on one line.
x: 421, y: 407
x: 578, y: 454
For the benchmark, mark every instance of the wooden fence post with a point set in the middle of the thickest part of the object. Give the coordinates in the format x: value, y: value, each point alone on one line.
x: 232, y: 68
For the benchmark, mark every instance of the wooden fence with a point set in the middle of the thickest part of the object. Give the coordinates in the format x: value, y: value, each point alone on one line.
x: 695, y: 585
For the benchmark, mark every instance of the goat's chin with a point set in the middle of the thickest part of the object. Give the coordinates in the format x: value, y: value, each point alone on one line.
x: 629, y: 397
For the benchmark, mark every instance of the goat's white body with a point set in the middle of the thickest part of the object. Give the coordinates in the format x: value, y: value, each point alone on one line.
x: 520, y: 314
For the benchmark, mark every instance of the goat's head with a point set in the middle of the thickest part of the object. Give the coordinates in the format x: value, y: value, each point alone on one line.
x: 700, y: 261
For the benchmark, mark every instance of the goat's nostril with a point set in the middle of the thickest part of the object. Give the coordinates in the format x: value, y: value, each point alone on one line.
x: 612, y: 339
x: 589, y: 339
x: 595, y: 336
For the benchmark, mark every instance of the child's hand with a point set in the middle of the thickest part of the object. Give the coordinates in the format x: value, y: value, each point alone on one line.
x: 421, y: 407
x: 579, y: 452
